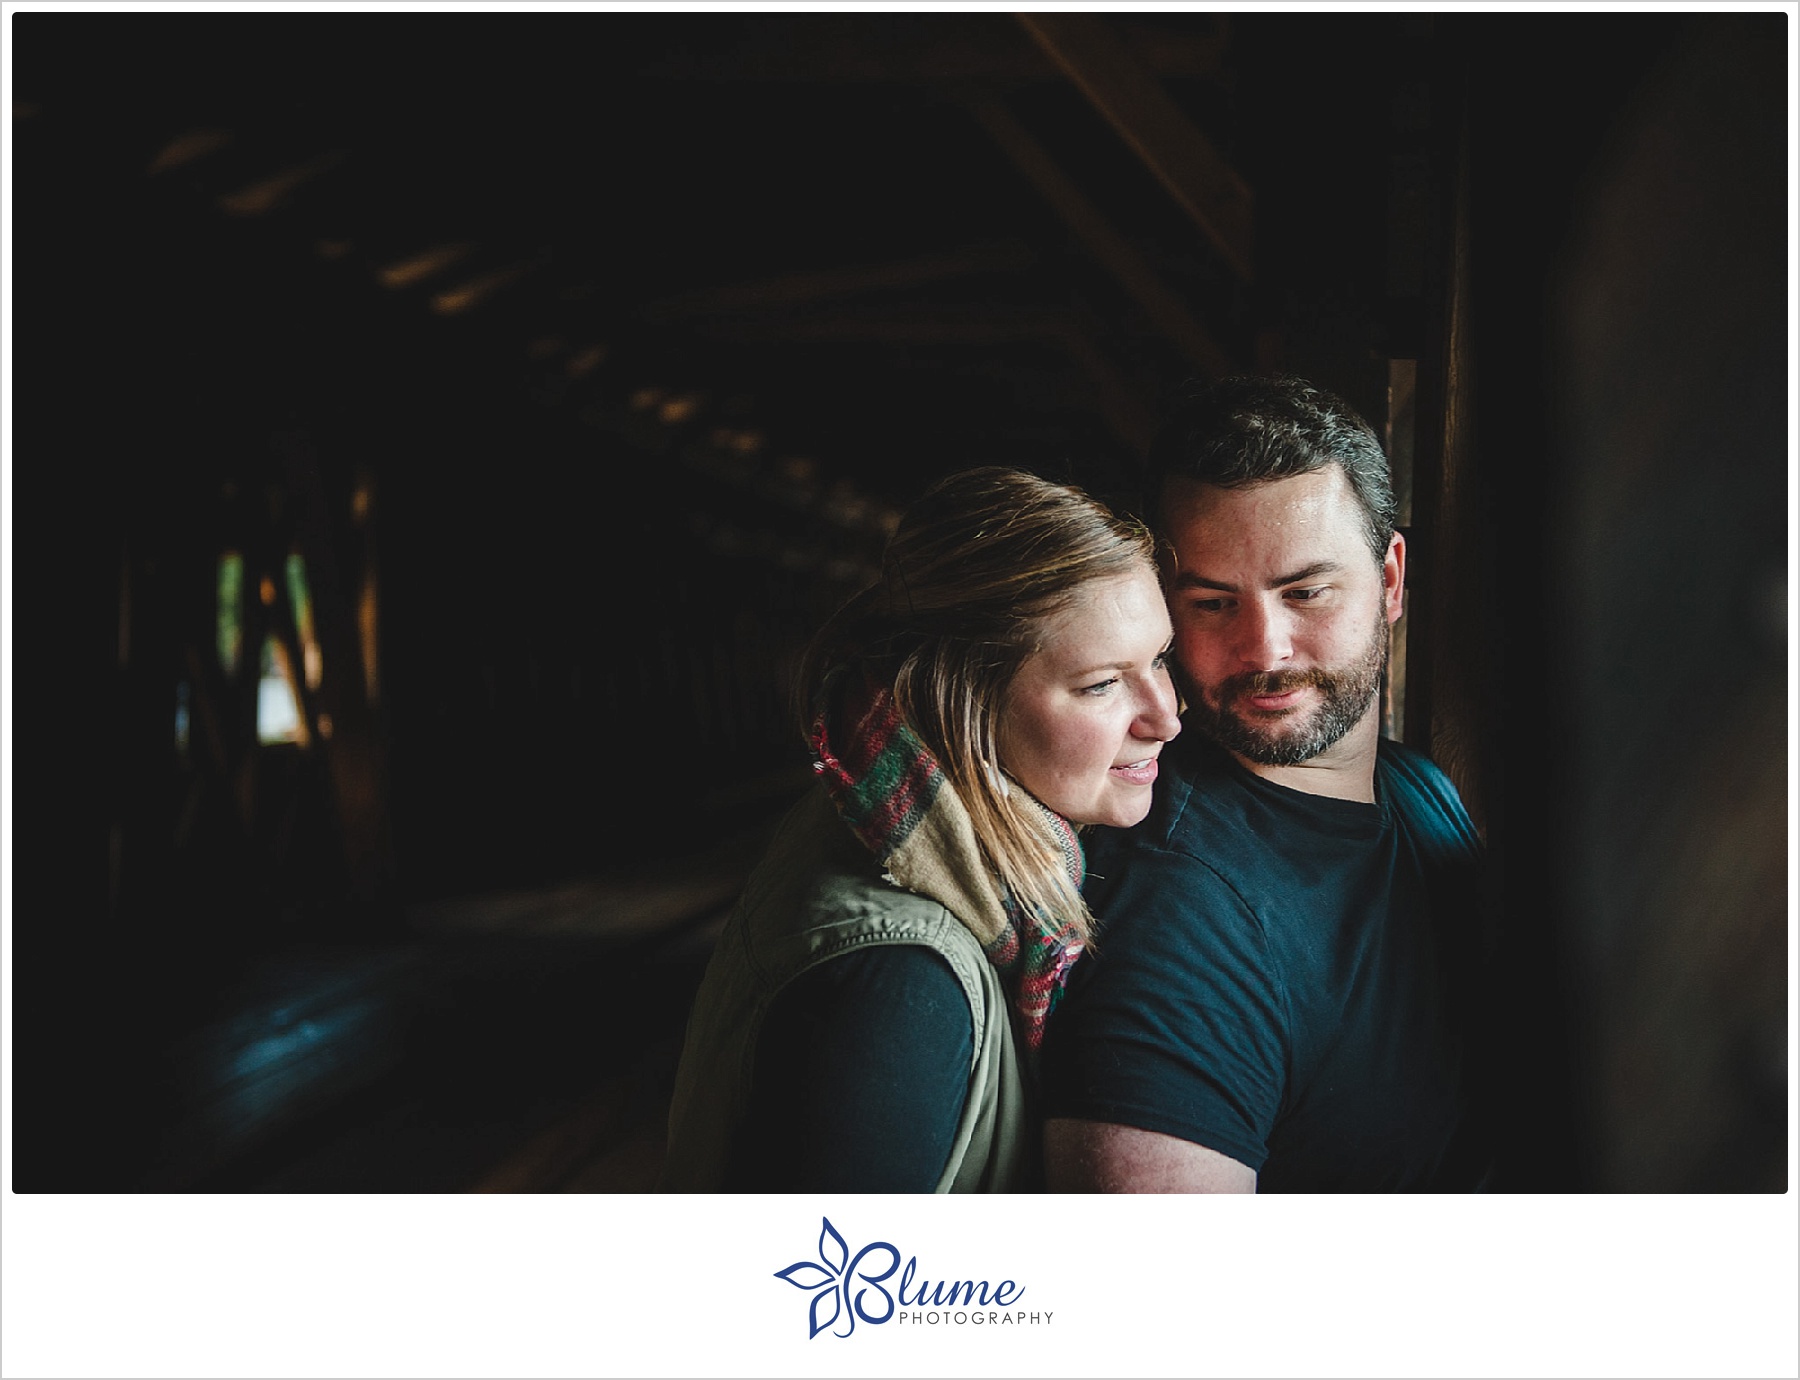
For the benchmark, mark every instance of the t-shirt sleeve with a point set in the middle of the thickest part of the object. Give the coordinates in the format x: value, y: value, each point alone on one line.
x: 1175, y: 1021
x: 861, y: 1072
x: 1427, y: 803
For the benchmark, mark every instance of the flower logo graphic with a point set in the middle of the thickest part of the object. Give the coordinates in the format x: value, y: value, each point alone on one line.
x: 833, y: 1279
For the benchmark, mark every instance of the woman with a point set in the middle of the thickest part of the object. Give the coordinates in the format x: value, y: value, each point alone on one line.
x: 869, y: 1016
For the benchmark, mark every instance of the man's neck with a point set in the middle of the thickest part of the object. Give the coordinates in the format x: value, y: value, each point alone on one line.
x: 1344, y: 771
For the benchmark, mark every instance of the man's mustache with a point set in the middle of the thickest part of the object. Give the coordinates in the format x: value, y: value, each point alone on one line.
x: 1271, y: 683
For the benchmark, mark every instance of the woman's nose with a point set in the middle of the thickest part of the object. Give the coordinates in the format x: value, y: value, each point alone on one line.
x: 1160, y: 717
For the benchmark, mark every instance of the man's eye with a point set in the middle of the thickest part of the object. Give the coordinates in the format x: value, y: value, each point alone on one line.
x: 1206, y: 605
x: 1304, y: 595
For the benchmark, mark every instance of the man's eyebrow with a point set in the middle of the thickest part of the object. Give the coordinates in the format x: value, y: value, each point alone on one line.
x: 1191, y: 579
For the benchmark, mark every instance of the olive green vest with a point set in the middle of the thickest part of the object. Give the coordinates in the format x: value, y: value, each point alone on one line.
x: 816, y: 894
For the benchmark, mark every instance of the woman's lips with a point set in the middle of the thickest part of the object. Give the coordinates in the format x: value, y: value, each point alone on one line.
x: 1137, y: 773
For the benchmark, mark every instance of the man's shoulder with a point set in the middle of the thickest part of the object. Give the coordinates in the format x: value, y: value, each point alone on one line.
x: 1198, y: 818
x: 1203, y: 778
x: 1423, y: 796
x: 1398, y: 766
x: 1395, y: 755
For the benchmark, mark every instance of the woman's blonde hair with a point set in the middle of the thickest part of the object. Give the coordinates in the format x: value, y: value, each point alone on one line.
x: 969, y: 576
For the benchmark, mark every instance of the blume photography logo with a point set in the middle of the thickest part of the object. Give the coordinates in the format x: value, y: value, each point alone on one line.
x: 849, y: 1288
x: 834, y: 1275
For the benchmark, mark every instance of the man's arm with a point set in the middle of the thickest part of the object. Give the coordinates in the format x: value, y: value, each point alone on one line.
x: 1103, y: 1157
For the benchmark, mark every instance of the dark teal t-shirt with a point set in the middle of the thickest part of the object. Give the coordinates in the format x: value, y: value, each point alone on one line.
x: 1283, y: 977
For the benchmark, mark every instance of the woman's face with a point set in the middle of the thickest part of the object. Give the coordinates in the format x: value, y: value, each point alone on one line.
x: 1084, y: 718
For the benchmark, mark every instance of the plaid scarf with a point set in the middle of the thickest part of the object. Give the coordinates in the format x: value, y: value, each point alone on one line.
x: 893, y: 793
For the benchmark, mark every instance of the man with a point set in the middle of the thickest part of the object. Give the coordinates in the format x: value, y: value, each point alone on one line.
x: 1277, y: 997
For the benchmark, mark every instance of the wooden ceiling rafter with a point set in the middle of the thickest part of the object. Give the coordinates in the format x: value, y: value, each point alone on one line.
x: 1127, y: 414
x: 1110, y: 249
x: 1131, y: 98
x: 273, y: 190
x: 895, y: 50
x: 447, y: 237
x: 799, y: 289
x: 576, y: 356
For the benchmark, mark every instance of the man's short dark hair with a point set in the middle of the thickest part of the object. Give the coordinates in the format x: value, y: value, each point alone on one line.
x: 1250, y: 428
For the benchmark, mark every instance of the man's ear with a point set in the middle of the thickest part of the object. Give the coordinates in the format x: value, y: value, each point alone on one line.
x: 1393, y: 577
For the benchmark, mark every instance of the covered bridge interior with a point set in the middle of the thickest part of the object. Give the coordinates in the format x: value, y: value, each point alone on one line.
x: 433, y: 434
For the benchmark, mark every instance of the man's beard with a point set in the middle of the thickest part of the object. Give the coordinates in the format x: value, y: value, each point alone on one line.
x: 1282, y: 742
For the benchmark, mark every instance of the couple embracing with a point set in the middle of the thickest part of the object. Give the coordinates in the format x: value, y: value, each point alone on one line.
x: 1110, y: 881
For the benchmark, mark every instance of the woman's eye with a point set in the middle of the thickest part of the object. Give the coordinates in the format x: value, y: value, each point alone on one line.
x: 1162, y: 661
x: 1100, y: 687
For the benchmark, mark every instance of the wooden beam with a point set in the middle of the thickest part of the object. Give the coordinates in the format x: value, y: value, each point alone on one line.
x: 1115, y: 253
x: 926, y: 50
x: 1133, y: 101
x: 1129, y: 416
x: 354, y: 753
x: 797, y: 289
x: 1131, y: 419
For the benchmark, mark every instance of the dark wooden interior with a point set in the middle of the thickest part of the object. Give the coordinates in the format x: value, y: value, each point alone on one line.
x: 584, y: 357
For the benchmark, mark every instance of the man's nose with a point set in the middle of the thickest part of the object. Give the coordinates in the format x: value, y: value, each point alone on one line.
x: 1265, y: 634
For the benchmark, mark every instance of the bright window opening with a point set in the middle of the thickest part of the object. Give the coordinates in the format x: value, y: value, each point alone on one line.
x: 277, y: 699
